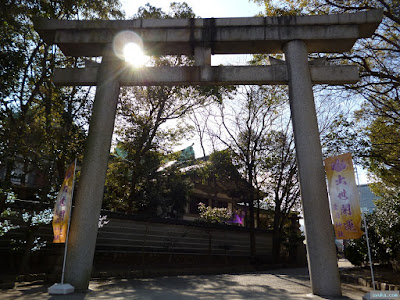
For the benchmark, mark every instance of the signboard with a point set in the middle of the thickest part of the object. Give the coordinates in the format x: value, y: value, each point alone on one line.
x: 62, y: 207
x: 343, y: 195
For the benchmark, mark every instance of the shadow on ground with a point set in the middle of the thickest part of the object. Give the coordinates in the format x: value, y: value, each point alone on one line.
x: 275, y: 284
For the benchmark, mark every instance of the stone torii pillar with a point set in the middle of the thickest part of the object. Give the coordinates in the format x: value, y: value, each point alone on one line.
x: 83, y: 228
x: 321, y: 253
x: 296, y: 36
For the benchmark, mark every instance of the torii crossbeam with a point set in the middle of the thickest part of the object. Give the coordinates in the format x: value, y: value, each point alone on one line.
x: 295, y: 36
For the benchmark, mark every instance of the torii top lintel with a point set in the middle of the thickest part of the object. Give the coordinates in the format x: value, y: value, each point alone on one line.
x: 321, y: 33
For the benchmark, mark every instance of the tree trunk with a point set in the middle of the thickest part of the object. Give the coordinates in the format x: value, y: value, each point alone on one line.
x: 251, y: 226
x: 251, y: 211
x: 133, y: 182
x: 276, y: 245
x: 24, y: 267
x: 258, y: 212
x: 276, y: 235
x: 6, y: 184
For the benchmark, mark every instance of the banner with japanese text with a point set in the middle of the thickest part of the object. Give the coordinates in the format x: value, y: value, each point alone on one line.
x: 343, y: 195
x: 62, y: 207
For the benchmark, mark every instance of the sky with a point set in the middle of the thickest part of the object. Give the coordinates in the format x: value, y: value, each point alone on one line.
x: 202, y: 8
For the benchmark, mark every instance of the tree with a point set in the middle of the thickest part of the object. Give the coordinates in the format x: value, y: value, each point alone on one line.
x: 42, y: 127
x: 243, y: 128
x: 383, y: 232
x: 220, y: 171
x: 377, y: 59
x: 161, y: 190
x: 261, y: 153
x: 144, y: 114
x: 281, y: 183
x: 386, y: 221
x: 380, y: 87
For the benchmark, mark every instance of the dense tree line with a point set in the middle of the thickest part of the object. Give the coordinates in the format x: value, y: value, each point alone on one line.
x: 42, y: 127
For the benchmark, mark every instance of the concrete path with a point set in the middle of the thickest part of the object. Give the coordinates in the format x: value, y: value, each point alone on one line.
x: 274, y: 284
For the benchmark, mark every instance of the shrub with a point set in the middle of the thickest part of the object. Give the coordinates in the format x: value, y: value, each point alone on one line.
x: 214, y: 215
x: 384, y: 235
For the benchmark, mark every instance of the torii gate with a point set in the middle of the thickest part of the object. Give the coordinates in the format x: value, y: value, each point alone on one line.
x: 295, y: 36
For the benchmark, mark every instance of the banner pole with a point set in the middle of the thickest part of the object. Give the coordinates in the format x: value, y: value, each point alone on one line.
x: 369, y: 250
x: 69, y: 222
x: 366, y: 236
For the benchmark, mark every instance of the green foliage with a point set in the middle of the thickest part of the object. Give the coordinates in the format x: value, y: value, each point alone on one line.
x: 386, y: 220
x: 158, y: 190
x: 5, y: 215
x: 292, y: 236
x: 214, y: 215
x: 384, y: 148
x: 221, y: 171
x: 356, y: 251
x: 143, y: 114
x: 6, y: 224
x: 166, y: 195
x: 345, y: 135
x: 42, y: 127
x: 378, y: 120
x: 150, y: 12
x: 181, y: 11
x: 384, y: 235
x: 220, y: 167
x: 12, y: 219
x: 178, y: 10
x: 285, y: 7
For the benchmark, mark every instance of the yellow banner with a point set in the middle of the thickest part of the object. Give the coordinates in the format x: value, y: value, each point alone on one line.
x: 62, y: 207
x: 343, y: 195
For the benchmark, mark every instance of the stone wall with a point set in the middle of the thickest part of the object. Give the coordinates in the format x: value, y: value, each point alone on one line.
x: 138, y: 241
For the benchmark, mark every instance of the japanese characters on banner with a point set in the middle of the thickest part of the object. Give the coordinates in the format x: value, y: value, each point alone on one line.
x: 63, y: 206
x: 344, y: 199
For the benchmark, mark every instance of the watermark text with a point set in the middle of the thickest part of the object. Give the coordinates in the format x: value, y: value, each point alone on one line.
x: 384, y: 295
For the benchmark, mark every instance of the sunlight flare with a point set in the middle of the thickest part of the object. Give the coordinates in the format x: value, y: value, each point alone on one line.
x: 134, y: 55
